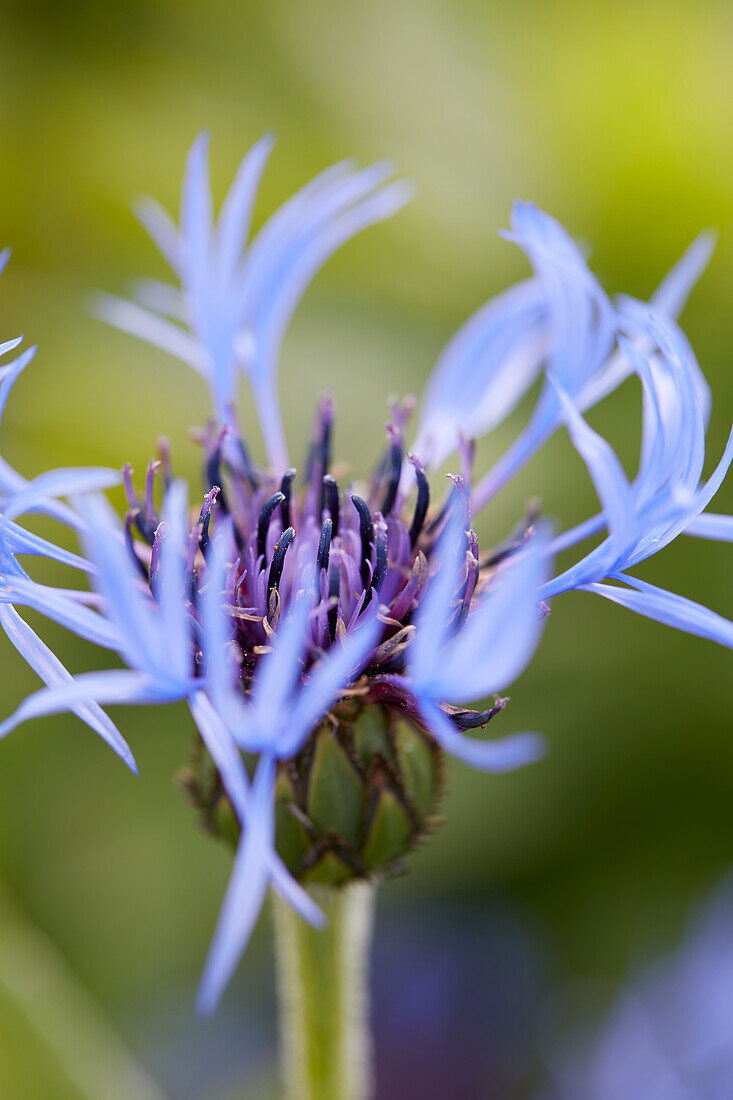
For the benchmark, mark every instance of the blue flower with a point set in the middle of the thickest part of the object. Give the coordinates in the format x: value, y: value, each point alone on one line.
x: 560, y: 319
x: 236, y: 299
x: 665, y: 499
x: 283, y: 607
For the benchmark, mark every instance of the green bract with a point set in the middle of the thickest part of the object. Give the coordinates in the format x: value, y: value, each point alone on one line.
x: 359, y: 796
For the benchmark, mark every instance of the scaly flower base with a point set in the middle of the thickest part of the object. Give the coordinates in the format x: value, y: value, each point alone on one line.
x: 323, y: 995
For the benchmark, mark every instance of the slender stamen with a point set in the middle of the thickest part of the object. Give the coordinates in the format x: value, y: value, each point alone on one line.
x: 155, y: 558
x: 213, y: 475
x: 286, y: 486
x: 130, y: 519
x: 164, y: 451
x: 153, y: 467
x: 472, y: 571
x: 331, y: 493
x: 238, y: 454
x: 278, y: 559
x: 395, y: 467
x: 214, y: 494
x: 324, y: 547
x: 127, y: 472
x: 380, y: 563
x: 380, y: 567
x: 366, y: 530
x: 263, y: 523
x: 423, y: 501
x: 319, y: 449
x: 333, y: 593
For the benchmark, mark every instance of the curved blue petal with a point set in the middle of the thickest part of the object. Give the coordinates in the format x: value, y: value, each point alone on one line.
x: 246, y: 891
x: 507, y: 754
x: 709, y: 525
x: 668, y: 608
x: 43, y: 662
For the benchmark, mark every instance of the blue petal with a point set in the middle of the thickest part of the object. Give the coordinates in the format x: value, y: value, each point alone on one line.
x: 137, y: 321
x: 668, y: 608
x: 668, y: 300
x: 162, y: 230
x: 10, y: 373
x: 616, y: 498
x: 581, y: 328
x: 278, y: 674
x: 672, y: 293
x: 502, y: 631
x: 19, y: 541
x: 59, y: 483
x: 9, y: 345
x: 197, y: 224
x: 246, y: 891
x: 236, y: 212
x: 339, y: 666
x: 712, y: 526
x: 514, y: 751
x: 117, y: 686
x: 226, y: 757
x: 129, y: 606
x: 52, y: 672
x: 582, y: 317
x: 483, y: 371
x: 172, y: 576
x: 54, y: 604
x: 221, y: 673
x: 436, y: 608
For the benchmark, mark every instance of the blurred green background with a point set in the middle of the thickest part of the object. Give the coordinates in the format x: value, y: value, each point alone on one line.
x: 618, y: 119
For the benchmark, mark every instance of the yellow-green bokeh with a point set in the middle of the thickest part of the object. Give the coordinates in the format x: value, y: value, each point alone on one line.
x: 618, y: 119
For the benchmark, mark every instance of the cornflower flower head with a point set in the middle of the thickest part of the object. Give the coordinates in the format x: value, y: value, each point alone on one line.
x: 330, y: 636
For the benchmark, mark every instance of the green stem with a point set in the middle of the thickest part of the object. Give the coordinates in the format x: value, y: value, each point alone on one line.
x: 323, y: 995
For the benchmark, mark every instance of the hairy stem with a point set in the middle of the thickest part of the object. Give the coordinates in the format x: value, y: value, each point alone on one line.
x: 323, y: 978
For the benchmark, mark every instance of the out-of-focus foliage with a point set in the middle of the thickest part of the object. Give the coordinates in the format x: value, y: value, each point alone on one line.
x: 618, y: 119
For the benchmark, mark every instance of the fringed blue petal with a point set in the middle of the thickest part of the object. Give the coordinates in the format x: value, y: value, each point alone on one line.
x: 668, y: 608
x: 712, y: 526
x: 240, y: 299
x: 340, y: 666
x: 246, y: 891
x: 483, y: 371
x: 46, y: 665
x: 59, y: 483
x: 225, y: 754
x: 172, y: 582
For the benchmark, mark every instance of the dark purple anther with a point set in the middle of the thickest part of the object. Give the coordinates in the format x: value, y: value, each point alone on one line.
x: 286, y: 487
x: 395, y: 471
x: 263, y: 523
x: 155, y: 559
x: 278, y: 559
x: 333, y: 595
x: 324, y: 548
x: 331, y: 494
x: 213, y: 473
x: 214, y: 494
x: 319, y: 449
x: 164, y: 450
x: 380, y: 567
x: 366, y: 531
x: 130, y: 519
x: 153, y: 467
x: 423, y: 501
x: 127, y: 472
